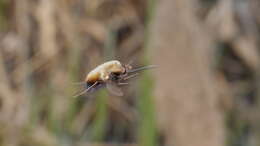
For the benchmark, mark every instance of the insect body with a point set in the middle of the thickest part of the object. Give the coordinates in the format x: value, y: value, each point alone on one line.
x: 103, y: 71
x: 110, y: 74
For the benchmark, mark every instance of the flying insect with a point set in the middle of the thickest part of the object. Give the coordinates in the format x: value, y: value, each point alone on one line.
x: 112, y: 75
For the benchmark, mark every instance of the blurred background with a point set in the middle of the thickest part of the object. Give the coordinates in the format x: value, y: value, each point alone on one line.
x: 205, y: 91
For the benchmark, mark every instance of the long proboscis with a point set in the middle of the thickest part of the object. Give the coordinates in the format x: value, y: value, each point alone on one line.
x: 142, y: 68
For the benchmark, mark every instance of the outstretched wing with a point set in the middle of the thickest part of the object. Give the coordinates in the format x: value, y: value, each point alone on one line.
x: 114, y: 89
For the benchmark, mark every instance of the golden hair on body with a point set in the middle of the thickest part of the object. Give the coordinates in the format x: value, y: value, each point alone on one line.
x: 103, y: 71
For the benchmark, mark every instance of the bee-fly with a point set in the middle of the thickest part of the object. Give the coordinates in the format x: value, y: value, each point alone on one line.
x: 111, y: 75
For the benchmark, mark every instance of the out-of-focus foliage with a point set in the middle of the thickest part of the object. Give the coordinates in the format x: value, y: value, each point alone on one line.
x: 45, y: 47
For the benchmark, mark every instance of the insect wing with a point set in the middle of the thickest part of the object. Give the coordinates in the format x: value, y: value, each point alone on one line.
x: 114, y: 89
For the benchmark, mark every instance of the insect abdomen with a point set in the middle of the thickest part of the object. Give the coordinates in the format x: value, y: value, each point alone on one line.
x: 93, y: 77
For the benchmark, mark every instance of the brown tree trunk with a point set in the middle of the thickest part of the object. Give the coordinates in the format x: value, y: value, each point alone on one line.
x: 186, y: 100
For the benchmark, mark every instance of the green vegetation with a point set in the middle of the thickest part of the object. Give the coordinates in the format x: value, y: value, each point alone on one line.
x: 147, y: 128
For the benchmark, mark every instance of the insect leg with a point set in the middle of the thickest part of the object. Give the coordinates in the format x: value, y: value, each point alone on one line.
x: 86, y: 90
x: 130, y: 76
x: 123, y: 83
